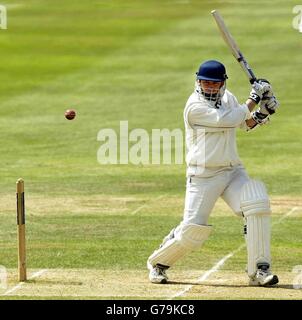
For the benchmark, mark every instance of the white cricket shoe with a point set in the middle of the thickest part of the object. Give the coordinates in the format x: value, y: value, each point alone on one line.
x: 263, y: 277
x: 157, y: 274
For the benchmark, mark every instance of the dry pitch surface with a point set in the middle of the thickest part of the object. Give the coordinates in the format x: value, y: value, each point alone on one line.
x: 183, y: 284
x: 130, y: 284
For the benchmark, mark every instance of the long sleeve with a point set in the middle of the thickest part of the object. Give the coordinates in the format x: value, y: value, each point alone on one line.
x: 206, y: 116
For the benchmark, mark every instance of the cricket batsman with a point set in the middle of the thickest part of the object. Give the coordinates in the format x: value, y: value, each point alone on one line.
x: 211, y: 116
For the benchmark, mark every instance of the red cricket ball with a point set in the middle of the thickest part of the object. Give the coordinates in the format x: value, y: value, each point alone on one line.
x: 70, y: 114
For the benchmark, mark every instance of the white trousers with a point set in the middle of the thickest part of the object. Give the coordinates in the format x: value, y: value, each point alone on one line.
x: 203, y: 192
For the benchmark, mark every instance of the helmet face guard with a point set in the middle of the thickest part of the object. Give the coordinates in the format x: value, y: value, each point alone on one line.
x: 213, y: 95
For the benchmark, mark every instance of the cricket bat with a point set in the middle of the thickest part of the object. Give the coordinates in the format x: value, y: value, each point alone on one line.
x: 229, y: 40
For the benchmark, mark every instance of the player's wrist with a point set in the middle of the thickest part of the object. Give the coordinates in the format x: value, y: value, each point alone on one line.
x: 251, y: 104
x: 254, y: 97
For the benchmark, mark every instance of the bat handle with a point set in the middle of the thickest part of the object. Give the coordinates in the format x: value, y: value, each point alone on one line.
x: 255, y: 79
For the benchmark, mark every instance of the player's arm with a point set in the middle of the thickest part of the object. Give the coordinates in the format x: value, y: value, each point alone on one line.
x: 251, y: 104
x: 212, y: 119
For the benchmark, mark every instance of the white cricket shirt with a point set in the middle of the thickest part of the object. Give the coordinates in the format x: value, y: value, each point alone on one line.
x: 211, y: 132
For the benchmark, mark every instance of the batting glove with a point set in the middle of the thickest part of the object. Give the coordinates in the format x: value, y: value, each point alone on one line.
x: 259, y: 117
x: 259, y: 89
x: 268, y: 105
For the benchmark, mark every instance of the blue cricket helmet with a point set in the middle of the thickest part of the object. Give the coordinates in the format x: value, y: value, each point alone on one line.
x: 212, y: 70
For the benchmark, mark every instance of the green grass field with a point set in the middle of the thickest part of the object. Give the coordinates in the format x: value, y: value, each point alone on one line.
x: 91, y: 227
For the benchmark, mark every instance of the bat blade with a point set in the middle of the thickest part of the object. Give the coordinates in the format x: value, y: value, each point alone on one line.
x: 231, y: 43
